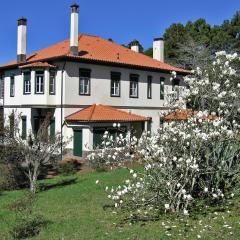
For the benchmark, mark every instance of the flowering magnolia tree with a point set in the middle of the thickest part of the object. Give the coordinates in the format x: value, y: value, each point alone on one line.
x: 189, y: 160
x: 112, y: 151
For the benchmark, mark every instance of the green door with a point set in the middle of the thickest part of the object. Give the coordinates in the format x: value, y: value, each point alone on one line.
x: 98, y: 136
x: 77, y: 142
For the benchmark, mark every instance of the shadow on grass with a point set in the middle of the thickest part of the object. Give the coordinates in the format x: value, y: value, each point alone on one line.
x: 62, y: 183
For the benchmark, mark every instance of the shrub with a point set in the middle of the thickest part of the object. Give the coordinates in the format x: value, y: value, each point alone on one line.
x: 7, y: 181
x: 111, y: 152
x: 27, y: 224
x: 196, y: 159
x: 28, y: 227
x: 67, y: 167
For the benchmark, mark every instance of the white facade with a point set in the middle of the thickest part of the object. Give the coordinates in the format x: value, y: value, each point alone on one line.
x: 67, y: 99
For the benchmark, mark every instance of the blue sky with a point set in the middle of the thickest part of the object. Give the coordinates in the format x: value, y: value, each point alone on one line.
x: 121, y: 20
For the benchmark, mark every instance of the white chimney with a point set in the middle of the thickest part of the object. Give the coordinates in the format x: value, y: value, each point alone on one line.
x: 158, y: 49
x: 21, y: 41
x: 135, y: 46
x: 74, y: 30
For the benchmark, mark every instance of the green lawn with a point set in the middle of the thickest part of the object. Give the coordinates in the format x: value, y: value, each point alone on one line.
x: 75, y: 211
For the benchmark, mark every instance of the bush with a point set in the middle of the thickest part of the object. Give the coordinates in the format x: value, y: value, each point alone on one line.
x: 28, y: 227
x: 27, y: 224
x: 7, y: 181
x: 11, y: 177
x: 67, y: 167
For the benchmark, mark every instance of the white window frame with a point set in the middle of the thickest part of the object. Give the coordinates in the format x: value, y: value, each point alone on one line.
x: 52, y: 83
x: 1, y: 86
x: 149, y: 87
x: 133, y: 91
x: 39, y: 83
x: 27, y: 84
x: 84, y: 86
x: 115, y: 84
x: 12, y: 86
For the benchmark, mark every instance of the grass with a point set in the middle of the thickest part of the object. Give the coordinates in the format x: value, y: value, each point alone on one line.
x: 74, y: 211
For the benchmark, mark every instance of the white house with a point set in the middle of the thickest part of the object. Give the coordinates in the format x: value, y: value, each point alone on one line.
x: 88, y: 85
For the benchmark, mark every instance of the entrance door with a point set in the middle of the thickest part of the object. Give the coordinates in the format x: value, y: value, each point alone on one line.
x: 77, y: 142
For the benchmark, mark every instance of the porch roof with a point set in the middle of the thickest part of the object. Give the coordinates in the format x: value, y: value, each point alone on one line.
x: 103, y: 113
x: 37, y: 65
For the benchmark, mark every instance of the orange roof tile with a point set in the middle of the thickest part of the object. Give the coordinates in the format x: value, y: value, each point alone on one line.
x: 93, y: 48
x: 37, y: 64
x: 183, y: 115
x: 104, y: 113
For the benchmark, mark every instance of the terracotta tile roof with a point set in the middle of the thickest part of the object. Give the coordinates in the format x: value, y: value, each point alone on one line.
x: 37, y: 64
x: 93, y: 48
x: 183, y: 115
x: 100, y: 112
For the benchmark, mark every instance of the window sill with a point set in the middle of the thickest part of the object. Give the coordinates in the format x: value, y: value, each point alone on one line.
x: 133, y: 96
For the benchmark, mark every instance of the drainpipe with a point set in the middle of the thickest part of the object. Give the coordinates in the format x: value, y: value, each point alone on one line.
x: 62, y: 72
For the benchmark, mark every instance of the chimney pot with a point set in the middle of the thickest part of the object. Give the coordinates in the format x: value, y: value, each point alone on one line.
x: 134, y: 45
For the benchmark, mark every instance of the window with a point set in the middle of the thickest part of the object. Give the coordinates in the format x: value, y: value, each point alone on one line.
x: 39, y: 82
x: 11, y: 124
x: 12, y: 86
x: 24, y: 127
x: 84, y: 81
x: 149, y: 87
x: 27, y: 83
x: 115, y: 84
x: 52, y: 128
x: 52, y: 83
x: 162, y: 80
x: 1, y: 86
x: 134, y: 86
x: 175, y: 88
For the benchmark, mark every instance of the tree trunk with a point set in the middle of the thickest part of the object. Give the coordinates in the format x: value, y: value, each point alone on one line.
x: 33, y: 183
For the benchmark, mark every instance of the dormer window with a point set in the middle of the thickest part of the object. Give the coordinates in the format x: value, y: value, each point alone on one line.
x: 27, y: 83
x: 39, y: 82
x: 84, y: 81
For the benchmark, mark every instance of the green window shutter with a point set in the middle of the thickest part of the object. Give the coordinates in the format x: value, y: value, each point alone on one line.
x: 24, y: 127
x: 27, y: 76
x: 52, y: 128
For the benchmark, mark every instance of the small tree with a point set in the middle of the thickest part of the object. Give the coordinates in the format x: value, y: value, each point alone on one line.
x: 38, y: 151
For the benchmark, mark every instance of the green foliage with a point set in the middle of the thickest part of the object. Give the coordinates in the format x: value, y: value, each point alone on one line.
x: 6, y: 179
x: 27, y: 224
x: 184, y: 40
x: 27, y: 227
x: 67, y: 168
x: 75, y: 212
x: 149, y: 52
x: 11, y: 176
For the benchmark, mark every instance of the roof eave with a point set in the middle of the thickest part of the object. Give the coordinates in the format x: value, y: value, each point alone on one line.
x: 95, y: 61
